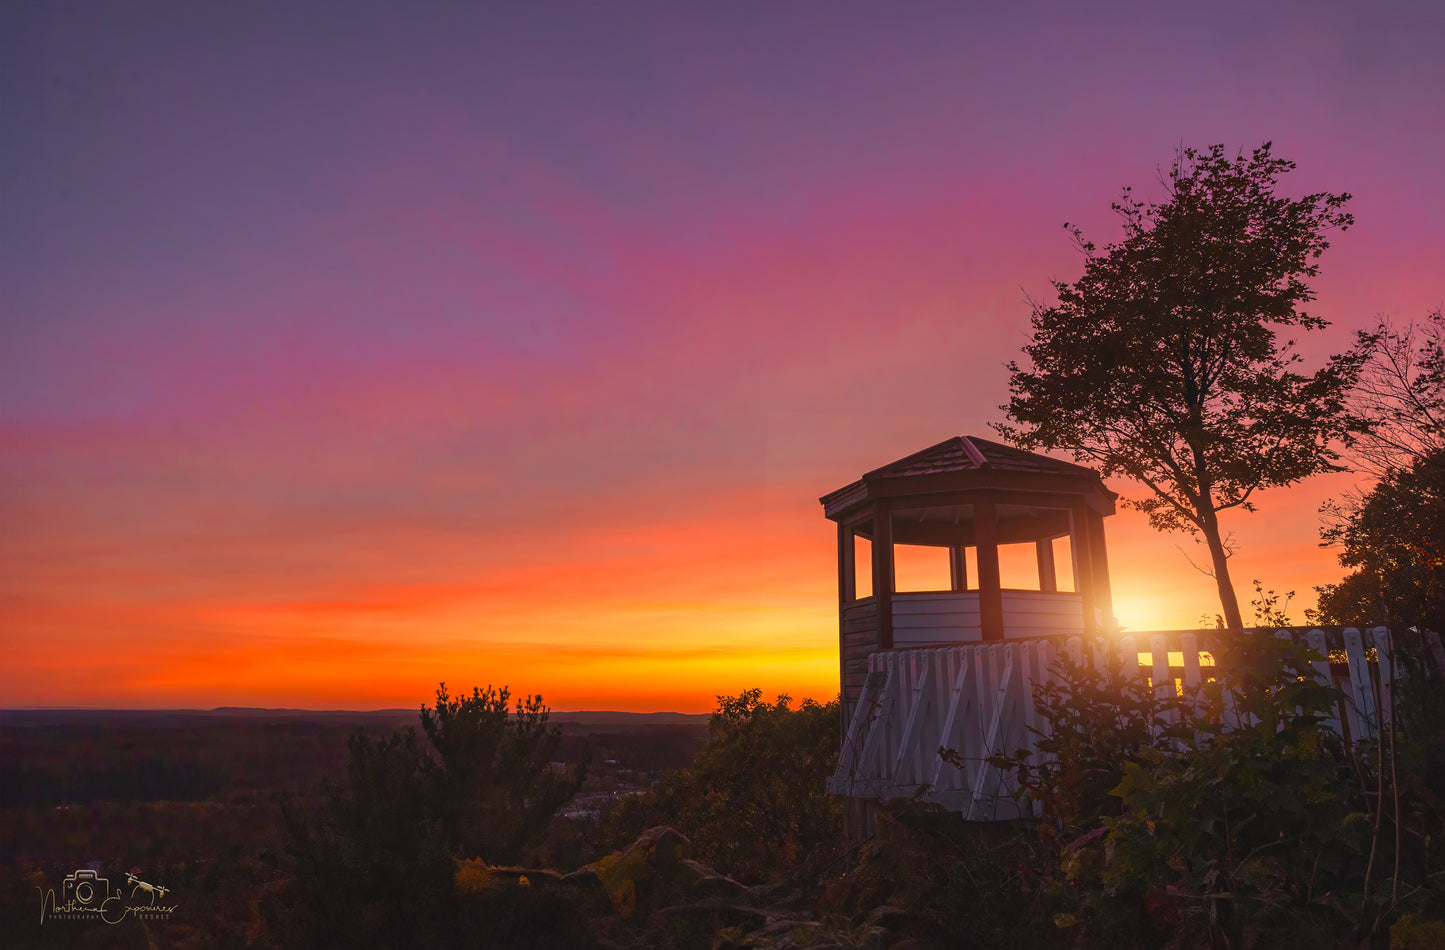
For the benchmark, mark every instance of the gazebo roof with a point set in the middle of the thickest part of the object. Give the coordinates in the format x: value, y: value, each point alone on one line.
x: 968, y: 453
x: 965, y: 463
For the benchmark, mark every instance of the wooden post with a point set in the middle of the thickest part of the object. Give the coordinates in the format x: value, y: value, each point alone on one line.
x: 1079, y: 538
x: 883, y: 572
x: 1048, y: 580
x: 958, y: 567
x: 1099, y: 559
x: 846, y: 594
x: 990, y: 592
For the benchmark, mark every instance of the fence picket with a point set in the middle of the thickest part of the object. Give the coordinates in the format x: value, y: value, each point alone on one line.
x: 913, y: 744
x: 1385, y: 667
x: 1189, y: 643
x: 1316, y: 641
x: 1361, y: 704
x: 1001, y: 675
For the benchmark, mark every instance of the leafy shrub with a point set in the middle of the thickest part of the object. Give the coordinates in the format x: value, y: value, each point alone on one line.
x: 1100, y: 721
x: 753, y: 802
x: 1249, y: 820
x: 1228, y: 818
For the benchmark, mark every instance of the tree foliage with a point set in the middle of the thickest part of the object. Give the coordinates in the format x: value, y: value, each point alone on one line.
x: 495, y: 784
x: 1395, y: 541
x: 374, y: 832
x: 753, y: 802
x: 1391, y: 535
x: 1164, y: 362
x: 1099, y: 722
x: 375, y: 866
x: 1401, y: 394
x: 1251, y: 822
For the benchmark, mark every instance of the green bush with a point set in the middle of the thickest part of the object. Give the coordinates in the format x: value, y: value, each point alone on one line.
x: 1229, y: 818
x: 753, y: 802
x: 1250, y: 820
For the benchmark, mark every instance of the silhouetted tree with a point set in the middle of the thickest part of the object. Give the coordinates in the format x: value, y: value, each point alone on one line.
x: 1402, y: 395
x: 375, y: 867
x: 1385, y: 531
x: 1393, y: 535
x: 1394, y: 538
x: 372, y: 868
x: 496, y: 786
x: 1163, y: 363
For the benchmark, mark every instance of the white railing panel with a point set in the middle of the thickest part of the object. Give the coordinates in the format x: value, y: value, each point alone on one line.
x: 977, y: 700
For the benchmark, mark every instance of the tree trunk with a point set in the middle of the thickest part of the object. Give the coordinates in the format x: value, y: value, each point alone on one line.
x: 1209, y: 523
x: 1220, y: 560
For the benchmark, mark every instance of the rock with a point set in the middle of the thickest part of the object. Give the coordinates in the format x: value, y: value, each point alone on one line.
x: 701, y: 882
x: 888, y: 917
x: 656, y: 871
x: 722, y: 915
x: 788, y: 933
x: 912, y: 943
x: 641, y: 877
x: 591, y: 893
x: 475, y: 875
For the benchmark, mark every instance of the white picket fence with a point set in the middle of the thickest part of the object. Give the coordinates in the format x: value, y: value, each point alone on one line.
x: 977, y: 702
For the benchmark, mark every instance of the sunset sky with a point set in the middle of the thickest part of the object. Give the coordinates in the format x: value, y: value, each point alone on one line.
x: 350, y: 347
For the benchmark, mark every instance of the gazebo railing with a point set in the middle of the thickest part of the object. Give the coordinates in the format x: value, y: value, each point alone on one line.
x: 975, y: 701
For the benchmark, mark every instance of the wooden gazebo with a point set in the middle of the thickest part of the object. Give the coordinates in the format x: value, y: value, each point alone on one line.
x: 941, y: 663
x: 1011, y: 546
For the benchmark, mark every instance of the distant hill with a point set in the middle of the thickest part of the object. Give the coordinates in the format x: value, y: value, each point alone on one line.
x: 371, y: 717
x: 605, y: 717
x: 156, y: 717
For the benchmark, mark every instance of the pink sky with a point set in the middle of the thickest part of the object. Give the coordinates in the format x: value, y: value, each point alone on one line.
x: 348, y: 348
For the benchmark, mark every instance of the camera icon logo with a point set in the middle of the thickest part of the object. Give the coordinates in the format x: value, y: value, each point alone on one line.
x: 85, y: 888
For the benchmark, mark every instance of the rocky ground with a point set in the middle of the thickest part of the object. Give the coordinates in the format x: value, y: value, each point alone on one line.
x: 652, y: 894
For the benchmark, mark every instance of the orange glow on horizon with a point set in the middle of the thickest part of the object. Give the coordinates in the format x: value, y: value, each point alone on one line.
x: 666, y: 617
x: 680, y: 613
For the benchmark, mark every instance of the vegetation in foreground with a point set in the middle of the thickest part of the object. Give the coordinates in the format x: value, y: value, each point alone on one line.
x: 1189, y: 835
x: 1173, y: 823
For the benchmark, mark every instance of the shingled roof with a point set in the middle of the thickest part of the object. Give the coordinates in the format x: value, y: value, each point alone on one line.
x: 966, y: 462
x: 969, y: 453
